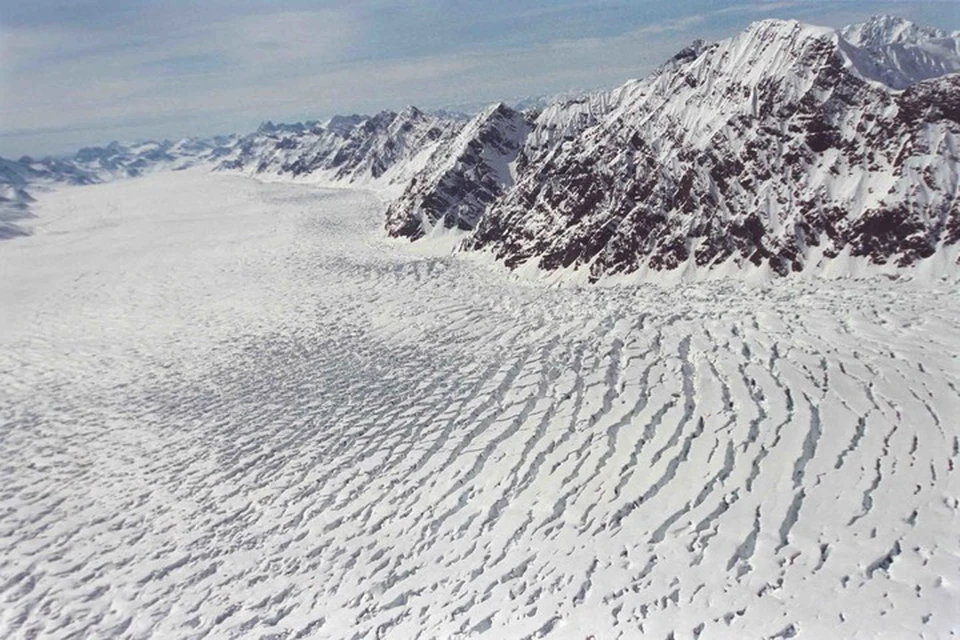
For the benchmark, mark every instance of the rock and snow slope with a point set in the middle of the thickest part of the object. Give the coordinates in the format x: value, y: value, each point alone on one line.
x: 227, y: 410
x: 462, y: 178
x: 384, y: 150
x: 779, y: 146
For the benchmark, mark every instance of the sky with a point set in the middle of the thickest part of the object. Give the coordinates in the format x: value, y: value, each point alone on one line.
x: 84, y: 72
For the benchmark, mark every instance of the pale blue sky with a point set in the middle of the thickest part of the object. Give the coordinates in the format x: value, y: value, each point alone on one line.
x: 78, y: 72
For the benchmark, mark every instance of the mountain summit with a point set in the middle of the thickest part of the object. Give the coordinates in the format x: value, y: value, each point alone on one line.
x: 779, y: 146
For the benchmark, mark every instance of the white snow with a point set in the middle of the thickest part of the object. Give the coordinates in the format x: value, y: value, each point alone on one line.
x: 229, y: 408
x: 898, y: 53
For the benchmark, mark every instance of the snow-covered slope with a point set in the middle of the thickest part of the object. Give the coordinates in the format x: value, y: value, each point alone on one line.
x: 565, y: 120
x: 899, y: 53
x: 767, y: 148
x: 463, y: 177
x: 384, y: 150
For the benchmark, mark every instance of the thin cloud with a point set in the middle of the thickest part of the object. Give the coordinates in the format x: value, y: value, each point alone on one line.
x: 129, y: 69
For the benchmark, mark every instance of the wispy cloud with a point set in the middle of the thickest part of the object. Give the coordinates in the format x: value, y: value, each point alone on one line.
x: 84, y: 71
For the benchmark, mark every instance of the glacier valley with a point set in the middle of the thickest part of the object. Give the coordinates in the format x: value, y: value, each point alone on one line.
x: 231, y: 408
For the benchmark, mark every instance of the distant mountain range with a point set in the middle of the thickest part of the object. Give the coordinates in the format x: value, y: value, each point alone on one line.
x: 96, y: 164
x: 787, y: 147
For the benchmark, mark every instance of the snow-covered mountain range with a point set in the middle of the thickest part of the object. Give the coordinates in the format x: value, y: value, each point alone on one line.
x: 93, y: 165
x: 789, y: 147
x: 384, y: 150
x: 230, y: 407
x: 778, y: 146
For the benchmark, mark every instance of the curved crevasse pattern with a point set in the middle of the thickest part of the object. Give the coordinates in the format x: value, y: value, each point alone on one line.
x: 227, y: 410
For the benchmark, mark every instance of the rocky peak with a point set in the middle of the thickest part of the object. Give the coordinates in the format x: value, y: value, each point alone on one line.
x: 770, y: 148
x: 462, y: 180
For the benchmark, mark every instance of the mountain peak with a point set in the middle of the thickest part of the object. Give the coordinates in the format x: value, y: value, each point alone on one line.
x: 897, y: 53
x: 767, y: 148
x: 343, y: 124
x: 410, y: 112
x: 500, y: 110
x: 778, y: 28
x: 462, y: 180
x: 882, y: 30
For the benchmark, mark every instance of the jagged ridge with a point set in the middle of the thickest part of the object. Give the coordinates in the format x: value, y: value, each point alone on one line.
x: 463, y: 178
x: 385, y: 149
x: 770, y: 148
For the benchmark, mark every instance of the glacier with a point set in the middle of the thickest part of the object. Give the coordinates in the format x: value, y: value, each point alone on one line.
x: 235, y: 408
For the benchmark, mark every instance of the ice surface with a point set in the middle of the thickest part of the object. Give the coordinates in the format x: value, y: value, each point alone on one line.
x: 229, y: 409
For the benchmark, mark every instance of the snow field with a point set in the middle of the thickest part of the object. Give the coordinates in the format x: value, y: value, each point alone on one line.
x: 229, y: 409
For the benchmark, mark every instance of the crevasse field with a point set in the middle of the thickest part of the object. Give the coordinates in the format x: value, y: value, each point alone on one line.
x: 228, y: 409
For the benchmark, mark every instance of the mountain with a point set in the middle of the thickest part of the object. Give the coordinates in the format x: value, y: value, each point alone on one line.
x: 383, y: 150
x: 116, y: 160
x: 897, y: 53
x: 462, y: 181
x: 462, y: 178
x: 777, y: 147
x: 91, y: 165
x: 536, y: 102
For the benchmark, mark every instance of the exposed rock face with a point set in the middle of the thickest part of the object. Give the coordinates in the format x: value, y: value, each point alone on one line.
x: 757, y: 150
x: 462, y: 178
